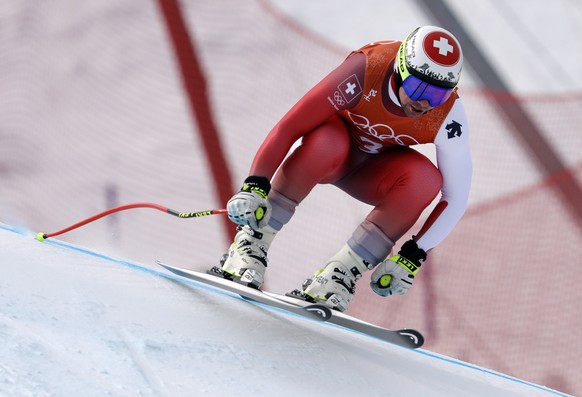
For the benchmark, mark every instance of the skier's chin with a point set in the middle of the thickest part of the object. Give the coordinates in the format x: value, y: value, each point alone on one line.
x: 412, y: 111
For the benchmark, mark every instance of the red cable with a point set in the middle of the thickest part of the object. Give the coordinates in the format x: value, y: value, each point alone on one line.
x: 41, y: 236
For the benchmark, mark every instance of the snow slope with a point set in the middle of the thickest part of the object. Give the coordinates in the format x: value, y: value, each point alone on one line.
x: 74, y: 322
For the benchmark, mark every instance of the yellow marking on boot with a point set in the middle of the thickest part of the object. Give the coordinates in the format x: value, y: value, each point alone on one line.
x: 232, y: 273
x: 315, y: 298
x: 384, y: 281
x: 259, y: 213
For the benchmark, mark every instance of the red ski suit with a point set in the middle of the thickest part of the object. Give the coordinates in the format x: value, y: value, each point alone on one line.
x: 356, y: 136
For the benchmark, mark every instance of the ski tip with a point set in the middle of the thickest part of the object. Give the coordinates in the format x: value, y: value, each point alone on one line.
x: 412, y: 338
x: 319, y: 312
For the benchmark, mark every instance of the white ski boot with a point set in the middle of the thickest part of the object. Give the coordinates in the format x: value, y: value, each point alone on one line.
x: 335, y: 284
x: 246, y: 259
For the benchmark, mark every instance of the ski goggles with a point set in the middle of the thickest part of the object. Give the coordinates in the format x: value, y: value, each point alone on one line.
x: 418, y: 89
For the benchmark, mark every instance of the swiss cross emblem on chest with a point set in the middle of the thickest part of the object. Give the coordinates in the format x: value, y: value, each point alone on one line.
x: 350, y: 88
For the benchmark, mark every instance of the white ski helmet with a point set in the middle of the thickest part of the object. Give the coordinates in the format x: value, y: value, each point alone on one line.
x: 431, y: 54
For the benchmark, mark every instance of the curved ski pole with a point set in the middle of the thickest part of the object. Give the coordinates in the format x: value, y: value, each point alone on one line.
x: 42, y: 236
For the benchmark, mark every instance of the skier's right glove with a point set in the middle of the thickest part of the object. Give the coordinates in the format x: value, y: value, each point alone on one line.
x: 395, y: 275
x: 250, y: 206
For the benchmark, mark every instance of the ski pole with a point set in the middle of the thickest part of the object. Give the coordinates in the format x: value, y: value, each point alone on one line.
x: 42, y: 236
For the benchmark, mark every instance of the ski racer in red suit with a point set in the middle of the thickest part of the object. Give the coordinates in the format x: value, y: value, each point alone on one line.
x: 358, y: 126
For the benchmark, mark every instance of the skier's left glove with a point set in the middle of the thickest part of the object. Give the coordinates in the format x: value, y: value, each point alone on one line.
x: 395, y: 275
x: 250, y: 206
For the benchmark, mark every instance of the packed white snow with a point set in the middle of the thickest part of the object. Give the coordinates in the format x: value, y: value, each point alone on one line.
x: 79, y: 323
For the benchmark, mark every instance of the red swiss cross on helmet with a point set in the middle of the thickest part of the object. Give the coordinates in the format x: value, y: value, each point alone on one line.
x: 433, y: 55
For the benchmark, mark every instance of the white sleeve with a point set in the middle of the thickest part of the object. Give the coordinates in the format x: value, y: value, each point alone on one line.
x: 454, y: 162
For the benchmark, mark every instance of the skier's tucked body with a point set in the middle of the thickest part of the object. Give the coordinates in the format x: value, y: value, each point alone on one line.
x: 357, y: 127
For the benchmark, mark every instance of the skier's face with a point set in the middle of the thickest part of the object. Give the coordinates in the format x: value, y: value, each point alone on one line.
x: 413, y: 108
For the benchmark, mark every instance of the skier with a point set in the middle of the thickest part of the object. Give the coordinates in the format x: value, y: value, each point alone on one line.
x: 357, y: 127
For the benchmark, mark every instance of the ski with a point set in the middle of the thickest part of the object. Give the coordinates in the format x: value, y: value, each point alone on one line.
x: 409, y: 338
x: 313, y: 311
